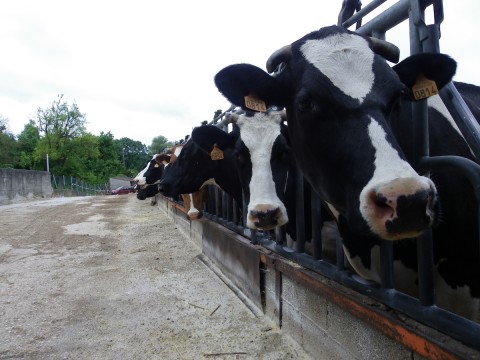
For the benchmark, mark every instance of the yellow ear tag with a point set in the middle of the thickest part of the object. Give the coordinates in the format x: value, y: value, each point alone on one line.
x: 217, y: 153
x: 255, y: 104
x: 424, y: 88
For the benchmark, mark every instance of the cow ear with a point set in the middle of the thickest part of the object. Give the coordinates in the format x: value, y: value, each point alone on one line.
x: 160, y: 158
x: 207, y: 135
x: 238, y: 81
x: 439, y: 68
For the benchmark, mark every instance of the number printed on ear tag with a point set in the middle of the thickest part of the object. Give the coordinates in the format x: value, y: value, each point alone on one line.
x: 255, y: 104
x: 424, y: 88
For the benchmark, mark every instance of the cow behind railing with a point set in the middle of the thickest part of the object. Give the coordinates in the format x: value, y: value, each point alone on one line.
x: 453, y: 325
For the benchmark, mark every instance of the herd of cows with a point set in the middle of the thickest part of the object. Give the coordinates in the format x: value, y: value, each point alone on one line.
x: 330, y: 106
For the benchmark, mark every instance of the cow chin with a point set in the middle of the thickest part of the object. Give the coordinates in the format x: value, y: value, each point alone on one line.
x: 395, y: 229
x: 400, y: 236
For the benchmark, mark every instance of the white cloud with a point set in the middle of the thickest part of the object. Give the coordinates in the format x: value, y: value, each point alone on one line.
x: 143, y: 69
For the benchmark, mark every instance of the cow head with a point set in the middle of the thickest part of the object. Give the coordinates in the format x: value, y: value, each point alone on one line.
x: 262, y: 162
x: 191, y: 167
x: 252, y: 157
x: 147, y: 179
x: 339, y: 94
x: 153, y: 170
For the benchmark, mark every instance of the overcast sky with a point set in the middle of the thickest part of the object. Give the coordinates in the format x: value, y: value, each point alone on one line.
x: 145, y: 68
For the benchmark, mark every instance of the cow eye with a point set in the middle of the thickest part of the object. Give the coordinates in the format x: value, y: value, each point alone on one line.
x: 305, y: 106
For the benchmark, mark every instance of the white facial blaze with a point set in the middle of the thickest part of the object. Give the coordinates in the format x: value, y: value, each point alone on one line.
x: 388, y: 164
x: 346, y: 60
x: 258, y: 134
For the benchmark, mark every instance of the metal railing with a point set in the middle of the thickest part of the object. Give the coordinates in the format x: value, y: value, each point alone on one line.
x: 70, y: 186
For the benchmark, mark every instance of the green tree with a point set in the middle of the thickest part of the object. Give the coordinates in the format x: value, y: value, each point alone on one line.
x: 83, y: 150
x: 27, y: 141
x: 8, y: 146
x: 3, y: 124
x: 134, y: 155
x: 59, y: 124
x: 108, y: 163
x: 159, y: 143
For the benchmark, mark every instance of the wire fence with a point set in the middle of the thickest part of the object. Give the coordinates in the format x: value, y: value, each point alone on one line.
x: 70, y: 186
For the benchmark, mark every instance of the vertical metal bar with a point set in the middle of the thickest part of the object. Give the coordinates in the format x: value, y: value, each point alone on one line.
x: 229, y: 204
x: 254, y: 237
x: 217, y: 203
x: 244, y: 209
x: 317, y: 224
x: 233, y: 206
x: 339, y: 253
x: 421, y: 39
x: 280, y: 235
x: 278, y: 297
x: 225, y: 210
x: 425, y: 268
x: 211, y: 199
x: 386, y: 264
x: 300, y: 213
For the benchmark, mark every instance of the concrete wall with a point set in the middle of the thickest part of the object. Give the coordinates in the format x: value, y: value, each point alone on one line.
x: 327, y: 319
x: 117, y: 182
x: 20, y: 185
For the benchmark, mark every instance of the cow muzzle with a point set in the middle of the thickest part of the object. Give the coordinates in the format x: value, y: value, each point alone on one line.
x: 402, y: 208
x: 266, y: 217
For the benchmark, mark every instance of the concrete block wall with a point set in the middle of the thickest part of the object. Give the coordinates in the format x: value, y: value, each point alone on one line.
x: 326, y: 330
x: 20, y: 185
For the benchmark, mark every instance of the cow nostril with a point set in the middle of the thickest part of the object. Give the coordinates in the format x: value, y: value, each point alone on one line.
x: 383, y: 207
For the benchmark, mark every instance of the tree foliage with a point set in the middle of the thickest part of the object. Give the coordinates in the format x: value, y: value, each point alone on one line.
x: 8, y: 150
x: 59, y: 130
x: 3, y: 124
x: 59, y: 124
x: 27, y: 142
x: 159, y: 144
x: 8, y: 146
x: 133, y: 153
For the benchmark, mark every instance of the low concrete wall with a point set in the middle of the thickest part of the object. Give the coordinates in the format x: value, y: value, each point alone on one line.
x: 327, y: 319
x: 20, y: 185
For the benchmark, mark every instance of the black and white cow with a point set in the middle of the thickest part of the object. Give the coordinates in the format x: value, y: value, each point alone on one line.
x: 349, y: 116
x: 148, y: 179
x: 192, y: 167
x: 254, y: 156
